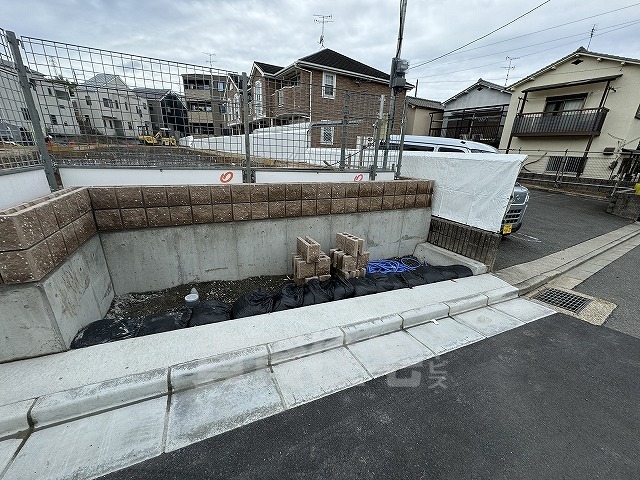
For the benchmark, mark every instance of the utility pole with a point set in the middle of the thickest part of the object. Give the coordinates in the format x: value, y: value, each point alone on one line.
x: 593, y: 30
x: 397, y: 80
x: 322, y: 19
x: 509, y: 68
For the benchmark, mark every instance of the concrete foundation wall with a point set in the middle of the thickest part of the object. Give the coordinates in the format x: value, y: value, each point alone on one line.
x: 153, y: 259
x: 43, y: 317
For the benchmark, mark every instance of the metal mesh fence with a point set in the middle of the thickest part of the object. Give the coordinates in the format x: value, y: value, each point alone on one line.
x: 17, y: 142
x: 100, y: 107
x: 562, y: 166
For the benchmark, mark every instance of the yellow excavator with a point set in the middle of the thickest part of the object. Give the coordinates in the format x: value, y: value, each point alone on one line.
x: 161, y: 138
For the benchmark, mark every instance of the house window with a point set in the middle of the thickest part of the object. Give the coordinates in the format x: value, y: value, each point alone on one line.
x: 556, y: 105
x: 144, y: 106
x: 107, y: 102
x: 87, y: 99
x: 257, y: 99
x: 54, y: 119
x: 49, y: 90
x: 557, y: 163
x: 87, y: 121
x: 25, y: 113
x: 62, y: 94
x: 126, y: 106
x: 328, y: 85
x: 117, y: 104
x: 281, y: 98
x: 222, y: 108
x: 326, y: 135
x: 130, y: 125
x: 221, y: 86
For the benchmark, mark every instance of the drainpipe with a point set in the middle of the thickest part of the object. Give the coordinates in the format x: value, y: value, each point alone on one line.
x: 605, y: 94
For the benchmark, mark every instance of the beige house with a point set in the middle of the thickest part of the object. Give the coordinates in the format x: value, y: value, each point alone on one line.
x: 423, y: 115
x: 578, y: 116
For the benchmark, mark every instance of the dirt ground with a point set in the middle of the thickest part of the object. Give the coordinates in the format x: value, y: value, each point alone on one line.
x: 172, y: 299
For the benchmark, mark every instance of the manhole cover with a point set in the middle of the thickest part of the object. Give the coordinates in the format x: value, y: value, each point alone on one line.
x: 560, y: 298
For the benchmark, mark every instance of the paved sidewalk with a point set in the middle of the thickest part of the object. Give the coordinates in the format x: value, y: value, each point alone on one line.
x: 531, y: 275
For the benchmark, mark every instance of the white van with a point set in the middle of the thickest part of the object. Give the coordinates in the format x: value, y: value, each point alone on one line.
x: 422, y: 143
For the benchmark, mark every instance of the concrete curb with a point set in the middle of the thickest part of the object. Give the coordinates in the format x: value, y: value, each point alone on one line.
x: 365, y: 322
x: 65, y: 406
x: 528, y: 284
x: 219, y: 367
x: 14, y: 418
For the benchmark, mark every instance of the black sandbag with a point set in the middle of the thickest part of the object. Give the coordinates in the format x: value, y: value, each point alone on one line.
x: 161, y: 322
x: 386, y: 282
x: 429, y: 274
x: 454, y: 271
x: 209, y: 311
x: 289, y: 296
x: 341, y: 288
x: 461, y: 270
x: 253, y: 303
x: 412, y: 279
x: 105, y: 331
x: 316, y: 292
x: 363, y: 286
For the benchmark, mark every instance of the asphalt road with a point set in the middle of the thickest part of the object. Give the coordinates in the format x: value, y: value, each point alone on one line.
x: 557, y: 398
x: 619, y: 283
x: 553, y: 222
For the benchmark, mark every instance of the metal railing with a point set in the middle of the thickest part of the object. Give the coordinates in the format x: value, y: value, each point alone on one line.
x: 586, y: 121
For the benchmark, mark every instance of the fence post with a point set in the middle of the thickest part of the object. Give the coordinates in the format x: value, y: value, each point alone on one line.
x: 374, y: 167
x: 402, y: 132
x: 345, y: 123
x: 560, y: 171
x: 247, y: 141
x: 33, y: 111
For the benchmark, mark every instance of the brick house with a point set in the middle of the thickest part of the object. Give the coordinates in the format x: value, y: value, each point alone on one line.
x: 317, y: 89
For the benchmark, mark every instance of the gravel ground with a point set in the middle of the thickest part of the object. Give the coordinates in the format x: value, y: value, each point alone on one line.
x: 172, y: 299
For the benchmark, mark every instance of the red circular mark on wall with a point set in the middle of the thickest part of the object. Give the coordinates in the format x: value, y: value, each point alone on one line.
x: 358, y: 178
x: 226, y: 177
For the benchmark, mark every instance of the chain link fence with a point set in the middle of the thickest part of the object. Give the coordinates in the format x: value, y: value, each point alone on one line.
x: 99, y: 107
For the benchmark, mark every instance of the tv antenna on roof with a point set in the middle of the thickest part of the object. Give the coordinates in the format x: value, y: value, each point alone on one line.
x: 211, y: 61
x: 509, y: 68
x: 593, y: 30
x: 322, y: 19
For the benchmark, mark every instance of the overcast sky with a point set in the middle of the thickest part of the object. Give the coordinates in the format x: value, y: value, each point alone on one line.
x: 280, y: 31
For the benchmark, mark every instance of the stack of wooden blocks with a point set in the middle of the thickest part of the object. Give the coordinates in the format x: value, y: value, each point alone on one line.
x: 349, y: 257
x: 309, y: 262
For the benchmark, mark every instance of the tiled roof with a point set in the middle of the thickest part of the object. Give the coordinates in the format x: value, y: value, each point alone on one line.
x: 424, y: 103
x: 332, y: 59
x: 579, y: 51
x: 267, y: 68
x: 152, y: 93
x: 479, y: 83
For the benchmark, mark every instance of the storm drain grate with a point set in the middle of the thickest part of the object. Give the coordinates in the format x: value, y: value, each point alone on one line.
x: 560, y: 298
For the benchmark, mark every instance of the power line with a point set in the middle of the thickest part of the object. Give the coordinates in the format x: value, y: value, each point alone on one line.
x: 484, y: 36
x: 547, y: 29
x: 583, y: 35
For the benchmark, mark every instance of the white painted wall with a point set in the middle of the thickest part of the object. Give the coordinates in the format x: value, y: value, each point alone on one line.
x: 84, y: 176
x: 273, y: 176
x: 16, y: 188
x: 470, y: 188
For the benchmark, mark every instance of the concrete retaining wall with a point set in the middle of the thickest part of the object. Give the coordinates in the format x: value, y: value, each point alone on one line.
x: 22, y: 186
x: 153, y: 259
x: 43, y: 317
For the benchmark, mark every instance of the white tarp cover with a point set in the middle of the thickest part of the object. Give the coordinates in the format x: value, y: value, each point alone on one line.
x: 470, y: 188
